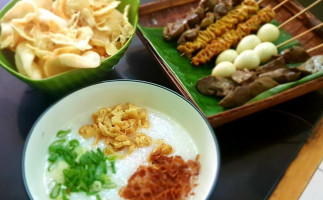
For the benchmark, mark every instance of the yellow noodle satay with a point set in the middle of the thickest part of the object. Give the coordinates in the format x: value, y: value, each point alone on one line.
x: 229, y: 21
x: 232, y: 37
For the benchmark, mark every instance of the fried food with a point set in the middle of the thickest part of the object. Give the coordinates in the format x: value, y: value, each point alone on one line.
x: 118, y: 127
x: 222, y: 8
x: 191, y: 20
x: 51, y: 37
x: 213, y: 86
x: 296, y: 54
x: 245, y: 84
x: 312, y: 65
x: 242, y: 94
x: 229, y: 21
x: 166, y: 177
x: 232, y: 37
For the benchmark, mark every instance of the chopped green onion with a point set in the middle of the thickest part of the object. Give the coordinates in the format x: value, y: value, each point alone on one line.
x: 59, y: 149
x: 73, y: 144
x: 112, y: 157
x: 86, y: 172
x: 94, y: 157
x: 113, y: 167
x: 55, y: 191
x: 98, y: 197
x: 50, y: 167
x: 109, y: 185
x: 84, y: 159
x: 64, y: 195
x: 63, y: 133
x: 53, y: 157
x: 96, y: 186
x: 103, y: 167
x: 100, y: 153
x: 58, y: 142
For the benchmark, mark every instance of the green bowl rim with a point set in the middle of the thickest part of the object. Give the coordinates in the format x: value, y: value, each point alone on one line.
x: 27, y: 79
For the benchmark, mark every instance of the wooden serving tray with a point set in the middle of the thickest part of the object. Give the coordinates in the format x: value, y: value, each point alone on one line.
x: 159, y: 13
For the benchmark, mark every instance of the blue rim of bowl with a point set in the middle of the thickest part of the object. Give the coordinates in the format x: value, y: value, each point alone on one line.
x: 123, y: 80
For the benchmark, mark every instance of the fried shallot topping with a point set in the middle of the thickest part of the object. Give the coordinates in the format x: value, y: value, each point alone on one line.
x: 166, y: 178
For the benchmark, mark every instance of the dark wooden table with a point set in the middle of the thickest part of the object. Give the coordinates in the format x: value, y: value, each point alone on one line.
x: 255, y: 150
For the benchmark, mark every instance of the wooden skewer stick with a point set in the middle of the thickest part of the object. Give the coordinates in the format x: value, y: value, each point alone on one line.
x: 260, y: 1
x: 314, y: 48
x: 298, y: 14
x: 281, y: 3
x: 160, y: 5
x: 299, y: 35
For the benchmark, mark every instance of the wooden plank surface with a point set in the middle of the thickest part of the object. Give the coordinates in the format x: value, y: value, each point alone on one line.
x: 301, y: 170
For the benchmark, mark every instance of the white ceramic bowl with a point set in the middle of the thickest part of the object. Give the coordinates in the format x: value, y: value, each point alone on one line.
x: 143, y: 94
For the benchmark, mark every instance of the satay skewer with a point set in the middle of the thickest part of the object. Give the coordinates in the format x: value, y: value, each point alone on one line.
x: 232, y: 37
x: 299, y: 35
x: 314, y: 48
x: 280, y: 4
x: 260, y: 1
x: 237, y: 15
x: 298, y: 14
